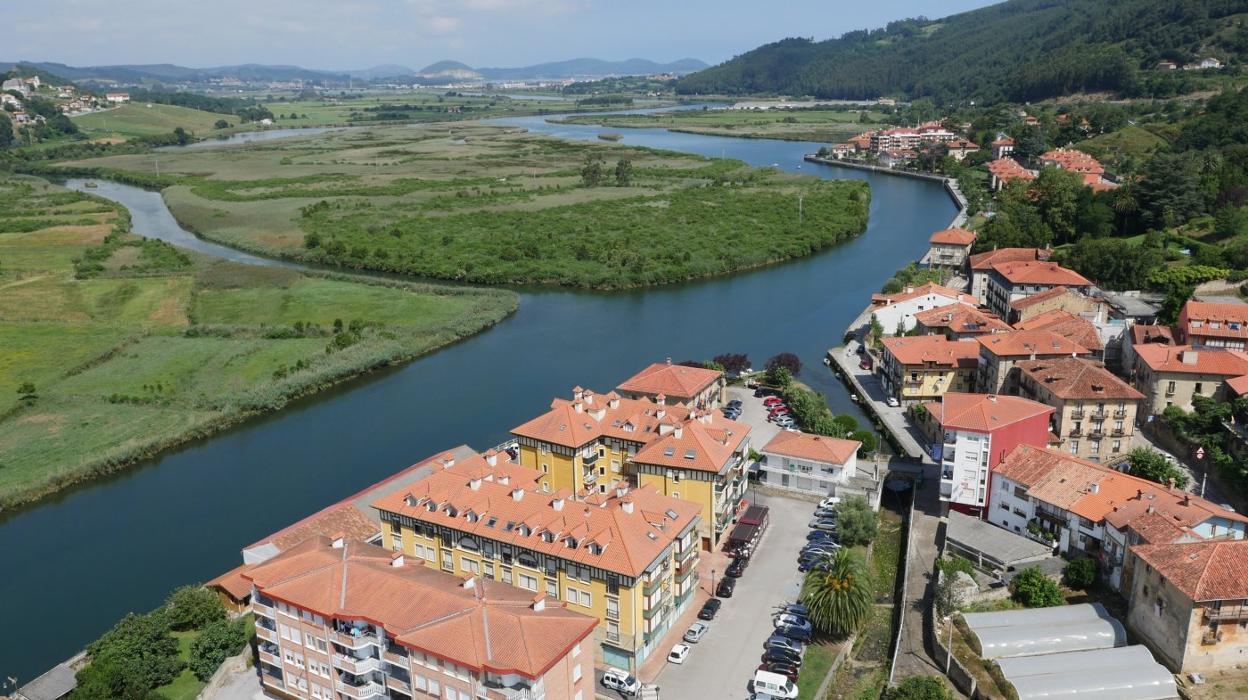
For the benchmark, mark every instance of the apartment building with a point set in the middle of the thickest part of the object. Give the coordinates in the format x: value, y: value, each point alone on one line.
x: 664, y: 382
x: 1011, y: 281
x: 1002, y: 171
x: 627, y: 558
x: 896, y: 312
x: 1075, y: 328
x: 1189, y: 603
x: 701, y: 460
x: 807, y: 463
x: 977, y: 431
x: 1055, y: 299
x: 958, y: 322
x: 341, y: 619
x: 1142, y: 334
x: 1214, y: 325
x: 1173, y: 375
x: 925, y: 367
x: 981, y: 265
x: 1095, y: 411
x: 950, y: 248
x: 1000, y: 352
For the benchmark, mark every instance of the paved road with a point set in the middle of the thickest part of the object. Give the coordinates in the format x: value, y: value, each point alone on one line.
x: 240, y: 686
x: 725, y: 660
x: 1196, y: 483
x: 912, y: 656
x: 872, y: 389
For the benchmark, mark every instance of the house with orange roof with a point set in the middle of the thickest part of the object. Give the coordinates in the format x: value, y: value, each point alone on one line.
x: 925, y: 367
x: 999, y: 353
x: 627, y: 557
x: 1003, y: 171
x: 960, y: 148
x: 1095, y: 410
x: 1214, y: 325
x: 807, y: 463
x: 694, y: 387
x: 1011, y: 281
x: 958, y: 322
x: 1138, y: 334
x: 896, y: 312
x: 340, y: 618
x: 1002, y: 146
x: 1171, y: 375
x: 1189, y: 603
x: 949, y: 248
x: 977, y: 431
x: 1057, y: 298
x: 981, y: 265
x: 1067, y: 325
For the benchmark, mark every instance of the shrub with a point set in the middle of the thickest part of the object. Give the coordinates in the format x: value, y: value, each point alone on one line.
x: 134, y: 657
x: 1035, y: 590
x: 193, y: 607
x: 218, y: 641
x: 919, y: 688
x: 856, y: 521
x: 1081, y: 573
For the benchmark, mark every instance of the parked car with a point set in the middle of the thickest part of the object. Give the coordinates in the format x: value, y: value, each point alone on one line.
x: 822, y: 547
x: 826, y: 513
x: 736, y: 569
x: 771, y: 685
x: 785, y: 422
x: 814, y: 535
x: 695, y: 632
x: 623, y: 681
x: 796, y: 609
x: 735, y: 403
x: 800, y: 633
x: 865, y: 364
x: 822, y: 524
x: 724, y: 589
x: 678, y: 654
x: 785, y: 618
x: 709, y: 608
x: 787, y: 670
x: 779, y: 641
x: 783, y: 656
x: 829, y: 502
x: 892, y: 401
x: 772, y: 401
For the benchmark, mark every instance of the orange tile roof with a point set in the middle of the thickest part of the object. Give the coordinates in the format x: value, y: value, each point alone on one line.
x: 985, y: 260
x: 817, y: 448
x: 1142, y: 333
x: 1008, y: 169
x: 1203, y: 571
x: 631, y: 529
x: 1034, y: 299
x: 1024, y: 343
x: 340, y: 517
x: 1204, y: 360
x: 1047, y: 273
x: 953, y: 236
x: 706, y: 443
x: 1071, y: 159
x: 1224, y: 315
x: 1238, y: 385
x: 961, y: 318
x: 923, y: 290
x: 487, y: 626
x: 932, y: 350
x: 1156, y: 528
x: 986, y: 412
x: 1067, y: 325
x: 675, y: 381
x: 1073, y: 378
x: 592, y: 416
x: 233, y: 582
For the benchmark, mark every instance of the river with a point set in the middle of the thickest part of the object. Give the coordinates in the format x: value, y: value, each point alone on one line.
x: 184, y: 516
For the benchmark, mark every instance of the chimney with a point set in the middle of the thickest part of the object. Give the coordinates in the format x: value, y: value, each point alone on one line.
x: 517, y: 494
x: 598, y: 413
x: 626, y: 506
x: 577, y: 392
x: 504, y: 479
x: 664, y: 428
x: 557, y: 504
x: 448, y: 460
x: 491, y: 457
x: 580, y: 407
x: 539, y: 603
x: 621, y: 490
x: 474, y: 484
x: 660, y: 413
x: 1094, y: 488
x: 589, y: 397
x: 661, y: 399
x: 992, y: 398
x: 678, y: 432
x: 1150, y: 508
x: 669, y: 360
x: 338, y: 540
x: 470, y: 582
x: 1190, y: 357
x: 396, y: 560
x: 614, y: 402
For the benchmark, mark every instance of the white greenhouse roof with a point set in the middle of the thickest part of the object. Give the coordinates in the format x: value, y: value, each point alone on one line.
x: 1121, y: 673
x: 1045, y: 630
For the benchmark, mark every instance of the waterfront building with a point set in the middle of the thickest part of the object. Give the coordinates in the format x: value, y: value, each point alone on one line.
x: 950, y: 248
x: 806, y: 463
x: 1214, y: 325
x: 627, y: 558
x: 977, y: 431
x: 1095, y: 411
x: 958, y: 322
x: 1011, y: 281
x: 336, y: 618
x: 692, y: 387
x: 1171, y: 375
x: 896, y: 312
x: 999, y: 352
x: 981, y: 265
x: 924, y: 367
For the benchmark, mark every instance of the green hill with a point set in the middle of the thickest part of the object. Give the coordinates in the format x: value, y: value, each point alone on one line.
x: 1018, y: 50
x: 148, y: 119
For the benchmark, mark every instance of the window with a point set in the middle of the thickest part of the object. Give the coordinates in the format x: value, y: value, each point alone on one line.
x: 435, y: 688
x: 506, y: 575
x: 1117, y: 445
x: 472, y: 567
x: 529, y: 583
x: 1197, y: 388
x: 576, y: 673
x: 448, y: 561
x: 552, y: 588
x: 1074, y: 447
x: 576, y: 650
x: 1170, y: 387
x: 545, y: 468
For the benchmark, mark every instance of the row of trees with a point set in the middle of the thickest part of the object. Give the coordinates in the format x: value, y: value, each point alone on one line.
x: 593, y: 173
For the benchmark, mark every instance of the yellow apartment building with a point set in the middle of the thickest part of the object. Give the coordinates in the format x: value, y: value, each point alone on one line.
x: 925, y: 367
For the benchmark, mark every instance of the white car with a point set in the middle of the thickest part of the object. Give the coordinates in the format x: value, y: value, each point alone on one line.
x: 695, y: 632
x: 622, y: 681
x: 789, y: 619
x: 892, y: 401
x: 678, y: 654
x: 829, y: 502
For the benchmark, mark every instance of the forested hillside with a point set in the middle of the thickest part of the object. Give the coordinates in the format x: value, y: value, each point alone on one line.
x: 1019, y: 50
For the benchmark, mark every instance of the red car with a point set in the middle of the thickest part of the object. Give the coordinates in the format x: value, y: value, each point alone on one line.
x: 772, y: 401
x: 865, y: 364
x: 778, y: 411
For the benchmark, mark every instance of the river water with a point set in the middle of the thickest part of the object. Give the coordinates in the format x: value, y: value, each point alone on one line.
x: 79, y: 561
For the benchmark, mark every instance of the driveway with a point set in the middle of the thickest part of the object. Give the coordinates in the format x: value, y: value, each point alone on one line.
x: 724, y: 661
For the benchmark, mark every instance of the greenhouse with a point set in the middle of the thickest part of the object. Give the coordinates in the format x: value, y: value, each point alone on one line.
x: 1045, y: 630
x: 1120, y: 673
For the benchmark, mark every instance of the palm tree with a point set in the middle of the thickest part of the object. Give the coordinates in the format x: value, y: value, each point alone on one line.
x: 838, y: 593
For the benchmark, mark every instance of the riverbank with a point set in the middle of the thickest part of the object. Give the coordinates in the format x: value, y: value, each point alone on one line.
x: 119, y: 349
x: 796, y: 124
x: 950, y: 184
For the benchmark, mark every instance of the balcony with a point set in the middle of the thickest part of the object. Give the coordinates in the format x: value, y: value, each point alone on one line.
x: 683, y: 572
x: 357, y: 667
x: 589, y: 458
x: 396, y: 684
x: 653, y: 585
x: 1098, y: 414
x: 497, y: 691
x: 590, y: 477
x: 354, y: 638
x: 1117, y: 432
x: 398, y: 658
x: 1227, y: 613
x: 1096, y: 432
x: 1077, y: 415
x: 659, y: 607
x: 268, y: 653
x: 613, y: 614
x: 266, y: 634
x: 1120, y: 413
x: 261, y: 609
x: 365, y: 689
x: 1075, y: 432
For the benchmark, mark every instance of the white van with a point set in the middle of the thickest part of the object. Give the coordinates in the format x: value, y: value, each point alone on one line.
x: 773, y: 685
x: 622, y: 681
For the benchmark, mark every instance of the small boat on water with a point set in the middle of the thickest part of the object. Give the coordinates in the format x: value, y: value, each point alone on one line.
x: 608, y: 136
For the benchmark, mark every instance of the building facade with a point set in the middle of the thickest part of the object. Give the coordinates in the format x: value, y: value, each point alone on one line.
x: 1174, y: 375
x: 1011, y: 281
x: 1095, y: 411
x: 807, y: 463
x: 896, y: 312
x: 981, y: 265
x: 1000, y: 352
x: 950, y: 248
x: 692, y: 387
x: 1214, y: 325
x: 925, y: 367
x: 958, y: 322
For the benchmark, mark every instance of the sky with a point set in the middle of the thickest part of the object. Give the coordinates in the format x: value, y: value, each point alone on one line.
x: 356, y: 34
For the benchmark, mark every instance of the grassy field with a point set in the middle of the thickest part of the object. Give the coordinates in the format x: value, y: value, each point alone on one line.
x: 149, y: 347
x: 825, y: 125
x: 1130, y: 146
x: 130, y: 120
x: 492, y: 205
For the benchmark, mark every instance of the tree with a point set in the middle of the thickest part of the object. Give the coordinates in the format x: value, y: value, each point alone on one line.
x: 838, y: 593
x: 1171, y: 189
x: 868, y: 440
x: 26, y: 393
x: 623, y: 172
x: 1152, y: 465
x: 786, y: 360
x: 1172, y: 304
x: 734, y: 363
x: 131, y: 659
x: 181, y: 136
x: 877, y: 329
x: 1081, y: 573
x: 218, y: 641
x: 856, y: 521
x: 1057, y: 195
x: 192, y: 607
x: 221, y: 124
x: 1035, y: 590
x: 591, y: 172
x: 919, y: 688
x: 779, y: 376
x: 1112, y: 262
x: 6, y: 131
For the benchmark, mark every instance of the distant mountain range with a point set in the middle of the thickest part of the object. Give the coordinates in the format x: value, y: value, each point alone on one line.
x: 442, y: 71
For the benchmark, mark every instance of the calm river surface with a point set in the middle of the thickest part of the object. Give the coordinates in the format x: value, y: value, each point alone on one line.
x: 79, y: 561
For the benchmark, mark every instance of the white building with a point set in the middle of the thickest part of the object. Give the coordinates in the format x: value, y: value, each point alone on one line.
x: 809, y: 463
x: 898, y: 310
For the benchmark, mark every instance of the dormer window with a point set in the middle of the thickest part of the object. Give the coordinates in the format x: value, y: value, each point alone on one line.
x: 472, y: 517
x: 548, y: 536
x: 431, y: 506
x: 595, y: 549
x: 671, y: 514
x: 524, y: 530
x: 570, y: 542
x: 452, y: 511
x: 491, y: 521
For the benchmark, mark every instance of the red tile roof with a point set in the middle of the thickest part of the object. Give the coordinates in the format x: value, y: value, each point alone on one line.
x: 961, y: 319
x: 1046, y: 273
x: 589, y: 417
x: 1073, y: 378
x: 1034, y: 299
x: 1197, y: 319
x: 932, y: 350
x: 1203, y: 571
x: 1141, y: 333
x: 675, y: 381
x: 1073, y: 160
x: 232, y: 582
x: 1238, y: 385
x: 921, y: 291
x: 486, y: 626
x: 1186, y: 359
x: 1025, y: 343
x: 953, y: 236
x: 816, y: 448
x: 1067, y: 325
x: 706, y: 443
x: 985, y: 261
x: 986, y: 412
x: 1008, y: 169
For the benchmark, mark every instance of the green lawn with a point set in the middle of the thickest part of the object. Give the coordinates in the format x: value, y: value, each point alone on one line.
x: 141, y: 119
x: 186, y: 686
x: 818, y: 659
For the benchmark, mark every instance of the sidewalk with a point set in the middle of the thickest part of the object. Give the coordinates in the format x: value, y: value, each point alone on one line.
x: 912, y: 655
x: 871, y: 395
